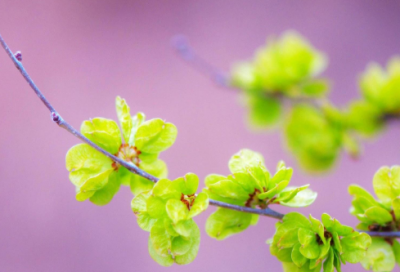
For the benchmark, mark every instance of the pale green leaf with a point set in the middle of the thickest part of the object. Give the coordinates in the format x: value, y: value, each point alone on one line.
x: 103, y: 132
x: 155, y: 136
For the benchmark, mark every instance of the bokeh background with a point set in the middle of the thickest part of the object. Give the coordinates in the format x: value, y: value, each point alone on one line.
x: 84, y: 53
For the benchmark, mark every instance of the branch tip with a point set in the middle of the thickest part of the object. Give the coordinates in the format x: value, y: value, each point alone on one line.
x: 18, y: 55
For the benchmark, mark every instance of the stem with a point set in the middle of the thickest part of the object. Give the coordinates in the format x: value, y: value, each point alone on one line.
x: 133, y: 168
x: 56, y: 117
x: 383, y: 234
x: 184, y: 50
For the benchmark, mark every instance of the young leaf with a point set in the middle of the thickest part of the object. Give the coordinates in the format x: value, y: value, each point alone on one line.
x: 155, y: 136
x: 224, y: 223
x: 124, y: 117
x: 103, y: 132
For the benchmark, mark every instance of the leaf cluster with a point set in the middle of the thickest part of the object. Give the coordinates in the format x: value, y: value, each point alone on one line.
x: 287, y: 70
x: 284, y: 67
x: 167, y: 212
x: 382, y: 214
x: 309, y: 245
x: 97, y: 177
x: 250, y: 185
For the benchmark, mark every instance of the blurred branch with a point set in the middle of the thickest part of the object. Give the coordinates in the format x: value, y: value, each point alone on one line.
x: 186, y: 52
x: 56, y: 117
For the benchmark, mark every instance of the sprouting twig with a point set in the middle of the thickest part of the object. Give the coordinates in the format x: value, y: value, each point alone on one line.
x: 131, y: 167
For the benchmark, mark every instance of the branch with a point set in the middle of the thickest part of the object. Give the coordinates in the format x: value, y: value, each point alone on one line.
x: 184, y: 50
x: 56, y: 117
x: 131, y: 167
x: 383, y: 234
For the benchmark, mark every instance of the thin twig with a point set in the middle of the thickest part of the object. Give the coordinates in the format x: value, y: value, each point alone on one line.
x: 131, y: 167
x: 182, y: 47
x: 383, y: 234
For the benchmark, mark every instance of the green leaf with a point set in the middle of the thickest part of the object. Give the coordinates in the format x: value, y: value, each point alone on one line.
x: 224, y: 223
x: 291, y: 267
x: 263, y: 111
x: 161, y: 260
x: 336, y: 242
x: 155, y: 206
x: 365, y: 118
x: 396, y: 251
x: 124, y: 176
x: 160, y: 238
x: 139, y: 203
x: 310, y: 251
x: 104, y: 195
x: 124, y: 117
x: 298, y: 259
x: 283, y: 254
x: 357, y: 191
x: 274, y: 191
x: 378, y: 215
x: 328, y: 264
x: 289, y: 193
x: 396, y: 207
x: 282, y: 173
x: 298, y: 219
x: 246, y: 181
x: 318, y: 228
x: 333, y: 225
x: 89, y: 170
x: 137, y: 121
x: 155, y: 136
x: 228, y: 188
x: 243, y: 159
x: 200, y: 204
x: 243, y: 76
x: 180, y: 245
x: 157, y: 168
x: 191, y: 254
x: 387, y: 184
x: 254, y: 219
x: 306, y: 237
x: 184, y: 228
x: 303, y: 198
x: 103, y: 132
x: 187, y: 185
x: 165, y: 189
x: 315, y: 88
x: 379, y: 256
x: 176, y: 210
x: 355, y: 246
x: 139, y: 184
x: 145, y: 221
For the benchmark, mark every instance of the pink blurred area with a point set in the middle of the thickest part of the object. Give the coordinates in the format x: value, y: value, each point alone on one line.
x: 84, y: 53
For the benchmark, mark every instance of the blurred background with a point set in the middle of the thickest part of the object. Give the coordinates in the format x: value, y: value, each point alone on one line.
x: 84, y: 53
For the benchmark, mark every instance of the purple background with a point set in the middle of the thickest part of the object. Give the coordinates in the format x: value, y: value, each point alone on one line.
x: 84, y: 53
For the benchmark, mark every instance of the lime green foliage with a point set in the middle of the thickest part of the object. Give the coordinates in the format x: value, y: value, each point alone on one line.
x: 381, y: 88
x: 250, y: 185
x: 287, y: 69
x: 382, y: 214
x: 380, y: 98
x: 166, y: 211
x: 97, y: 177
x: 283, y: 67
x: 309, y: 245
x: 316, y: 136
x: 313, y: 139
